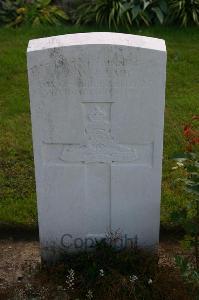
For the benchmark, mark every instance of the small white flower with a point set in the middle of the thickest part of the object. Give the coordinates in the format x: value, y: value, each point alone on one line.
x: 150, y: 281
x: 174, y: 168
x: 70, y: 279
x: 180, y: 164
x: 89, y: 295
x: 101, y: 273
x: 133, y: 278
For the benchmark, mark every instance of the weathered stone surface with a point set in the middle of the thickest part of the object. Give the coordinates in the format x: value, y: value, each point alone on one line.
x: 97, y: 107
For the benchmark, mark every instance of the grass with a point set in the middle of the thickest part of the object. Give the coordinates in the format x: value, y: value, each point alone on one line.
x: 17, y: 192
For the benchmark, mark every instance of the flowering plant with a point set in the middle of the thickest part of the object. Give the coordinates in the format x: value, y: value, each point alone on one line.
x: 188, y: 217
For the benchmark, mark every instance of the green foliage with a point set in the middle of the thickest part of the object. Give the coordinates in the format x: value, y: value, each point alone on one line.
x: 188, y: 217
x: 190, y: 162
x: 184, y: 12
x: 148, y: 11
x: 35, y: 13
x: 111, y: 13
x: 103, y: 12
x: 8, y: 10
x: 187, y: 269
x: 188, y: 272
x: 126, y: 13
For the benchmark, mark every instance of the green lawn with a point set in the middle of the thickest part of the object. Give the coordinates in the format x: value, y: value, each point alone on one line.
x: 17, y: 192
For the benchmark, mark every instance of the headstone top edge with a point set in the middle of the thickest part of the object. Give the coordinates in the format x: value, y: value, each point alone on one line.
x: 97, y: 38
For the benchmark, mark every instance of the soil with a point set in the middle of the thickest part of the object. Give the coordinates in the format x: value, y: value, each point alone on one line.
x: 20, y: 257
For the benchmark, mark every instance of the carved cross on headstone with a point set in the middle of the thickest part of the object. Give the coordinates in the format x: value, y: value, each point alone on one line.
x: 102, y: 150
x: 98, y: 154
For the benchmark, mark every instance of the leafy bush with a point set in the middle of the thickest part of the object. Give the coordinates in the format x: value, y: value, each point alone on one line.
x: 32, y: 12
x: 148, y: 11
x: 103, y: 12
x: 184, y: 12
x: 125, y: 13
x: 8, y: 10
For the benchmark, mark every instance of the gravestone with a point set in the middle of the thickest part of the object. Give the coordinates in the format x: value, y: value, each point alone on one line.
x: 97, y: 108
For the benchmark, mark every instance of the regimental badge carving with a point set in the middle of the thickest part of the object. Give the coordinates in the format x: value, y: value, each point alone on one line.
x: 101, y: 146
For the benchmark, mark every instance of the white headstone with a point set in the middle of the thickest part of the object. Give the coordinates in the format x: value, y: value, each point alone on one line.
x: 97, y: 107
